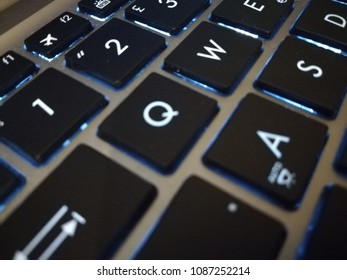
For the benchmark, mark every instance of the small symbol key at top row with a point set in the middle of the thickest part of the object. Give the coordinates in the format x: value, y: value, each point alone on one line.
x: 56, y: 36
x: 14, y: 69
x: 100, y: 8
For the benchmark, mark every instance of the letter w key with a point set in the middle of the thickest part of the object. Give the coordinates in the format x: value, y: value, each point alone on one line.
x: 212, y: 51
x: 214, y: 56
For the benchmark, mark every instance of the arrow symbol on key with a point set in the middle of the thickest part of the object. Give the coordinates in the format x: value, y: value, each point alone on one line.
x: 23, y: 255
x: 67, y: 230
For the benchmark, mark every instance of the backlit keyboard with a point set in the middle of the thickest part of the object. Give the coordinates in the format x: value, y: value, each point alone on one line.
x: 175, y: 129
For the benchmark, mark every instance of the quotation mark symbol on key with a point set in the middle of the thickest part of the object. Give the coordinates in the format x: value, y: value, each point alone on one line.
x: 80, y: 54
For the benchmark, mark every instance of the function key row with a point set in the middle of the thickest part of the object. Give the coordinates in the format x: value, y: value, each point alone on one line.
x: 100, y: 8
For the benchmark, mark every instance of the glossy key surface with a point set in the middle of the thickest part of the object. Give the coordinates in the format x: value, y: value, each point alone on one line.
x: 122, y: 50
x: 40, y: 117
x: 159, y: 121
x: 270, y: 147
x: 214, y: 56
x: 83, y: 210
x: 203, y: 222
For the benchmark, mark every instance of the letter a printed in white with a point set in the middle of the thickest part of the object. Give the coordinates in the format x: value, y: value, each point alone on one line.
x: 212, y: 51
x: 273, y: 141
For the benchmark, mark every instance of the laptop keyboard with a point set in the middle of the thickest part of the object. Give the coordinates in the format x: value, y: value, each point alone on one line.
x: 175, y: 129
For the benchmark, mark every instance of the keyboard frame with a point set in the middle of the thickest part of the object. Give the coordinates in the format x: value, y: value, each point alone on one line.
x: 295, y: 221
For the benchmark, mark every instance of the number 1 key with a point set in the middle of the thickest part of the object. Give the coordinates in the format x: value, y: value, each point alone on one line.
x: 39, y: 118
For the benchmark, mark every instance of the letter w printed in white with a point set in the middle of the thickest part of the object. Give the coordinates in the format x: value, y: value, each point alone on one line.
x: 212, y: 51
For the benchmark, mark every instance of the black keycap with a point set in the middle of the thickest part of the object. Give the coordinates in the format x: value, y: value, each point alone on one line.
x: 261, y: 17
x: 58, y: 35
x: 14, y: 69
x: 40, y: 117
x: 100, y: 8
x: 325, y: 22
x: 170, y: 16
x: 329, y: 237
x: 214, y: 56
x: 340, y: 163
x: 159, y: 121
x: 205, y: 223
x: 306, y: 74
x: 270, y: 147
x: 122, y: 50
x: 83, y: 210
x: 9, y: 181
